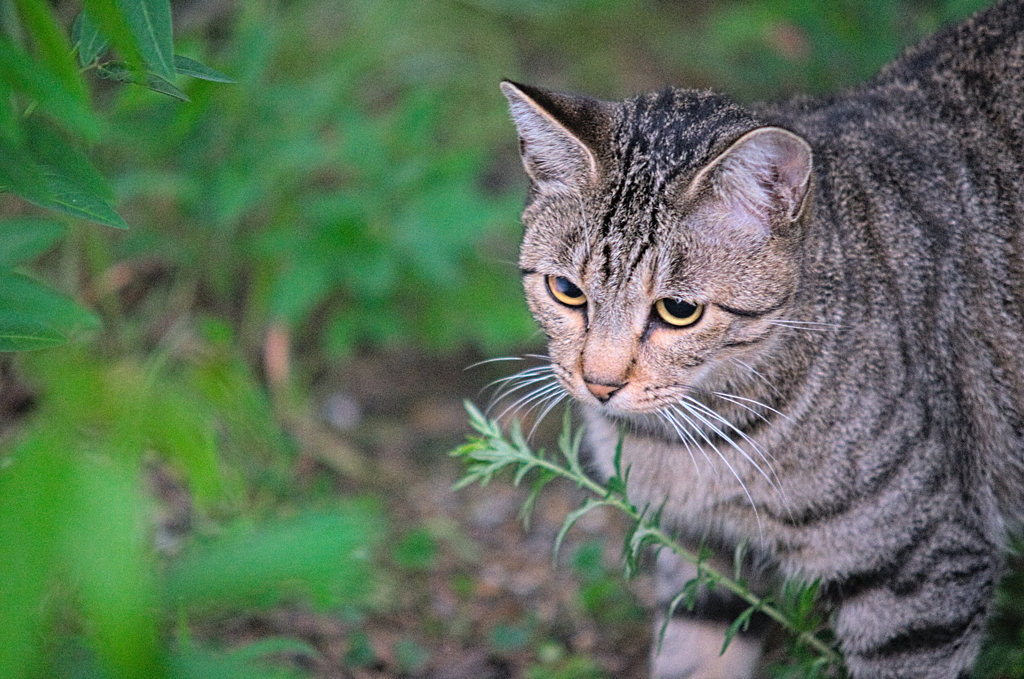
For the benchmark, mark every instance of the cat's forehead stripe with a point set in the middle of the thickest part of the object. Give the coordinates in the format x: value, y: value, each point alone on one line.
x: 661, y: 138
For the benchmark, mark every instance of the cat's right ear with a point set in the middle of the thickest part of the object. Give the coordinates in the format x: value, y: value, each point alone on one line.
x: 760, y: 182
x: 553, y: 129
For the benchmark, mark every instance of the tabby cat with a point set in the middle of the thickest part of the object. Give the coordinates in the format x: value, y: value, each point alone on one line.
x: 810, y: 317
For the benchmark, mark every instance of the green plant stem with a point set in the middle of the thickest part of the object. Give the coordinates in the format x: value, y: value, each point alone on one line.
x: 663, y: 539
x: 519, y: 453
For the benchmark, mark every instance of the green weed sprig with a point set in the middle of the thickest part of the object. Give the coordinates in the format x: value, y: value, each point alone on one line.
x: 492, y: 451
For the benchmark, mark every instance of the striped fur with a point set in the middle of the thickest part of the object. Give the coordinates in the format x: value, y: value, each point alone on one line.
x: 851, y: 399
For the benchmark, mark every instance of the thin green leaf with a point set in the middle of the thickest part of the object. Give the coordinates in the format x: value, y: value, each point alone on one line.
x: 518, y: 439
x: 89, y: 42
x: 740, y: 624
x: 32, y: 301
x: 24, y: 239
x: 113, y: 570
x: 150, y: 22
x: 117, y: 70
x: 22, y: 175
x: 570, y: 521
x: 195, y: 69
x: 60, y: 154
x: 181, y: 430
x: 642, y: 536
x: 11, y: 131
x: 34, y: 487
x: 120, y: 71
x: 22, y: 74
x: 524, y: 469
x: 566, y: 443
x: 739, y: 555
x: 75, y: 201
x: 53, y: 49
x: 616, y: 486
x: 477, y: 420
x: 110, y: 20
x: 158, y: 84
x: 544, y: 477
x: 21, y: 333
x: 687, y: 598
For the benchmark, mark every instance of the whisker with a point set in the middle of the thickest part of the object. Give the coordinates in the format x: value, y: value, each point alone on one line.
x: 540, y: 357
x: 758, y: 374
x: 552, y: 401
x: 533, y: 386
x: 738, y: 400
x: 765, y: 456
x: 685, y: 437
x: 688, y: 429
x: 698, y: 408
x: 762, y: 453
x: 721, y: 456
x: 539, y: 370
x: 811, y: 326
x: 519, y: 381
x: 539, y: 393
x: 799, y: 322
x: 492, y: 360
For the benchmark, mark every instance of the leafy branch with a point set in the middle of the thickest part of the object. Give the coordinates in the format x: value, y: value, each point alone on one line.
x: 492, y: 452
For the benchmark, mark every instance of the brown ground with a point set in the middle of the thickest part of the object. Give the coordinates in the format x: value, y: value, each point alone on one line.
x: 490, y: 604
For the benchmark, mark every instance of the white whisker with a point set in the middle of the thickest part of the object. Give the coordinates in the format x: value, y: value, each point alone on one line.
x: 537, y: 394
x: 698, y: 408
x: 742, y: 401
x: 532, y: 372
x: 689, y: 428
x: 798, y: 322
x: 519, y: 381
x: 685, y: 437
x: 552, y: 401
x: 813, y: 326
x: 492, y: 360
x: 758, y: 374
x: 736, y: 475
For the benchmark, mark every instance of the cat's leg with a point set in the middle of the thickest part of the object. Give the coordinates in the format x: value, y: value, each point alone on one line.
x: 923, y: 616
x: 692, y: 646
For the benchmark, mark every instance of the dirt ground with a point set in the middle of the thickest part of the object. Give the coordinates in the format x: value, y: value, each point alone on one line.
x: 490, y: 603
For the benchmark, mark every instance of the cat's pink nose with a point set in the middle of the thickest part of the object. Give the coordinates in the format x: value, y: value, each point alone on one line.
x: 603, y: 392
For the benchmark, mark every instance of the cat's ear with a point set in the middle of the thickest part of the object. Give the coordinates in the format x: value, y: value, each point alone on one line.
x: 553, y: 132
x: 759, y: 182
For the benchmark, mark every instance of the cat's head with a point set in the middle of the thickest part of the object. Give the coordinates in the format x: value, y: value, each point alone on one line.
x: 662, y: 239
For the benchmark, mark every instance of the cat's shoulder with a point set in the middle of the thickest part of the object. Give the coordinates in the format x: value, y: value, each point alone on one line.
x: 990, y: 41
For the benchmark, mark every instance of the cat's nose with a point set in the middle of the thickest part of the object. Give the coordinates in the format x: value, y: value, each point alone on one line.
x: 603, y: 392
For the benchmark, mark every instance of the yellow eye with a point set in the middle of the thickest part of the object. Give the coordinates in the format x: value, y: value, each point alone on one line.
x: 565, y: 291
x: 677, y: 312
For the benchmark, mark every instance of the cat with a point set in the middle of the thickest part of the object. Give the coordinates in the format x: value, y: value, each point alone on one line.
x: 809, y: 315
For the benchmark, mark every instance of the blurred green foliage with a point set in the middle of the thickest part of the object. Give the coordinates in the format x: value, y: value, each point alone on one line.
x: 356, y: 186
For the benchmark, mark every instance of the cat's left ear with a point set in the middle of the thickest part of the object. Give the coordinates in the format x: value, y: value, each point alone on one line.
x: 761, y: 181
x: 558, y: 135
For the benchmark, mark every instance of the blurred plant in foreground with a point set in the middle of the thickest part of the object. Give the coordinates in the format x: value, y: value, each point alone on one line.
x: 84, y: 592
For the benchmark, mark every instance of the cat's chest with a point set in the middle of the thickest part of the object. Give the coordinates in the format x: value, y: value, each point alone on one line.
x: 816, y: 519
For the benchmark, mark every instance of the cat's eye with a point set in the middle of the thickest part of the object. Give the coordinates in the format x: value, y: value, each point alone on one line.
x: 677, y: 312
x: 565, y: 291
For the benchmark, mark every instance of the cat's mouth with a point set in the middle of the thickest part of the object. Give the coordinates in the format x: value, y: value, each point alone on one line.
x: 634, y: 397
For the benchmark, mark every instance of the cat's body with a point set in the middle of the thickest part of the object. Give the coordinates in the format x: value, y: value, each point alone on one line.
x: 816, y: 339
